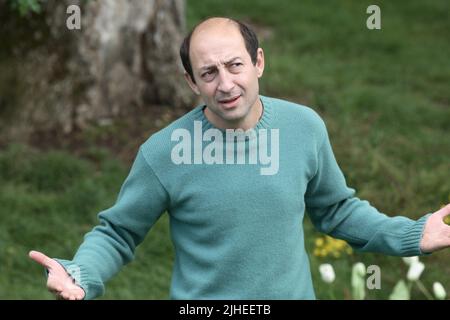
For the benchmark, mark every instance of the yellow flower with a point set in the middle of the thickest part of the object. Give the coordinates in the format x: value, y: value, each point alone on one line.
x: 319, y: 242
x: 329, y: 246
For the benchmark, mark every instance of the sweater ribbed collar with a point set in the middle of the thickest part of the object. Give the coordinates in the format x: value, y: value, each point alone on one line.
x: 263, y: 123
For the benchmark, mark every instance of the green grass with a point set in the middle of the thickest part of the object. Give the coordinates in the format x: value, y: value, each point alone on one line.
x: 48, y: 202
x: 383, y: 94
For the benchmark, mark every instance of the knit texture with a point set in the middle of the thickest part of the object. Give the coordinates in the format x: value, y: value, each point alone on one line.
x: 237, y: 233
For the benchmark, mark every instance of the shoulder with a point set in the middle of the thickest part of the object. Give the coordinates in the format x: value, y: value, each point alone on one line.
x: 158, y: 145
x: 296, y: 115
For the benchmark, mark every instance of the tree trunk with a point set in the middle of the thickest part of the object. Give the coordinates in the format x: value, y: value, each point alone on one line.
x: 124, y: 58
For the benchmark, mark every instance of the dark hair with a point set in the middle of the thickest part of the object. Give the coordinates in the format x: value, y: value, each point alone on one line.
x: 250, y: 39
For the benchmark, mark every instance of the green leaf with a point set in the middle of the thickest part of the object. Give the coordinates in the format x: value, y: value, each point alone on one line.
x: 25, y: 6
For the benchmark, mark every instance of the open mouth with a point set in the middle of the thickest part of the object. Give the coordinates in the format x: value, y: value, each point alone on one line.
x: 229, y: 102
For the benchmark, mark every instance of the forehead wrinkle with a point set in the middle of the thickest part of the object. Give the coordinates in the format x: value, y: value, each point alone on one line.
x: 226, y: 62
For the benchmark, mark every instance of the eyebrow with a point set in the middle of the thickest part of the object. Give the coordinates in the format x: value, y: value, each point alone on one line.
x: 211, y: 66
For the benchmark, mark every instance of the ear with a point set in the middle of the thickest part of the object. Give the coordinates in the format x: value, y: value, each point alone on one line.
x: 260, y: 62
x: 191, y: 83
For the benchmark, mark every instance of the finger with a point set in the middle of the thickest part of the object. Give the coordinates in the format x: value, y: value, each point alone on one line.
x: 444, y: 211
x: 54, y: 291
x: 65, y: 295
x: 77, y: 292
x: 42, y: 259
x: 70, y: 294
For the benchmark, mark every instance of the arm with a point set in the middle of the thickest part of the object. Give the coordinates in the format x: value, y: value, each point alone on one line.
x: 111, y: 244
x: 335, y: 210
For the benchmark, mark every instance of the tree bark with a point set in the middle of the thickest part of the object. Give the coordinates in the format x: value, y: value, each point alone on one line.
x: 124, y: 58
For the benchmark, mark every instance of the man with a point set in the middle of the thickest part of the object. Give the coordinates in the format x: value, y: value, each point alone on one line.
x: 236, y: 228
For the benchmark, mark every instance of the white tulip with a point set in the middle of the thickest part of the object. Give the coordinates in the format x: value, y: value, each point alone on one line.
x: 327, y: 272
x: 410, y: 260
x: 358, y: 281
x: 439, y: 291
x: 359, y: 269
x: 415, y: 270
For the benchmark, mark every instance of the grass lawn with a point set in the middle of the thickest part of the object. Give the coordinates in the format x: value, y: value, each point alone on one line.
x: 382, y: 93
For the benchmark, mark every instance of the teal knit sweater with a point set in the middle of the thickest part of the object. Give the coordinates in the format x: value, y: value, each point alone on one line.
x: 237, y: 232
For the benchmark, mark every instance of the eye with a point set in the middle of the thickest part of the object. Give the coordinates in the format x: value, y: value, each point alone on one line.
x: 208, y: 75
x: 235, y: 66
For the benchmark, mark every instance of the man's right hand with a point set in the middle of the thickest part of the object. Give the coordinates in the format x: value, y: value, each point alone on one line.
x: 59, y: 282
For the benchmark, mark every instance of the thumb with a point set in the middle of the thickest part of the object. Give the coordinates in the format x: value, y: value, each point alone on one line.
x: 444, y: 211
x: 42, y: 259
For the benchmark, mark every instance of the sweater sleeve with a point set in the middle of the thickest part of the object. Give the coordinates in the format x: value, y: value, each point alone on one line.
x: 334, y: 210
x: 111, y: 244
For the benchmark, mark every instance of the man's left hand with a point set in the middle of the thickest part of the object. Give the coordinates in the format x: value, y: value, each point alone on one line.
x: 436, y: 234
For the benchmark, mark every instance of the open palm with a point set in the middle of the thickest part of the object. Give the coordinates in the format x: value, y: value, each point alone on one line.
x: 59, y: 281
x: 436, y: 234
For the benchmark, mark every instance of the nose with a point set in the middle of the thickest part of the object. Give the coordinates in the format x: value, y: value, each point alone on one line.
x: 226, y: 83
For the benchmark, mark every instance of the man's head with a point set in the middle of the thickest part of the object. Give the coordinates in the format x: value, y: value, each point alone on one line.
x: 223, y: 64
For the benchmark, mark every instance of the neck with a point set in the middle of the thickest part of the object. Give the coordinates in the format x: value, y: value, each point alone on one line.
x: 246, y: 123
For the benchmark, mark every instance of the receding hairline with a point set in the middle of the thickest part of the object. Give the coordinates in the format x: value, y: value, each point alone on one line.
x: 210, y: 21
x: 248, y: 36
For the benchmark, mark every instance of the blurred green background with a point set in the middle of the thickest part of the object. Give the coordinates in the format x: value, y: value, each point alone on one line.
x: 384, y: 95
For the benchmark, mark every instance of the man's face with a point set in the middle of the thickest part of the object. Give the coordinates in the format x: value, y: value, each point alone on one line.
x: 225, y: 76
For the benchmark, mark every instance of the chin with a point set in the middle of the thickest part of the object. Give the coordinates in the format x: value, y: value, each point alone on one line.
x: 234, y: 115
